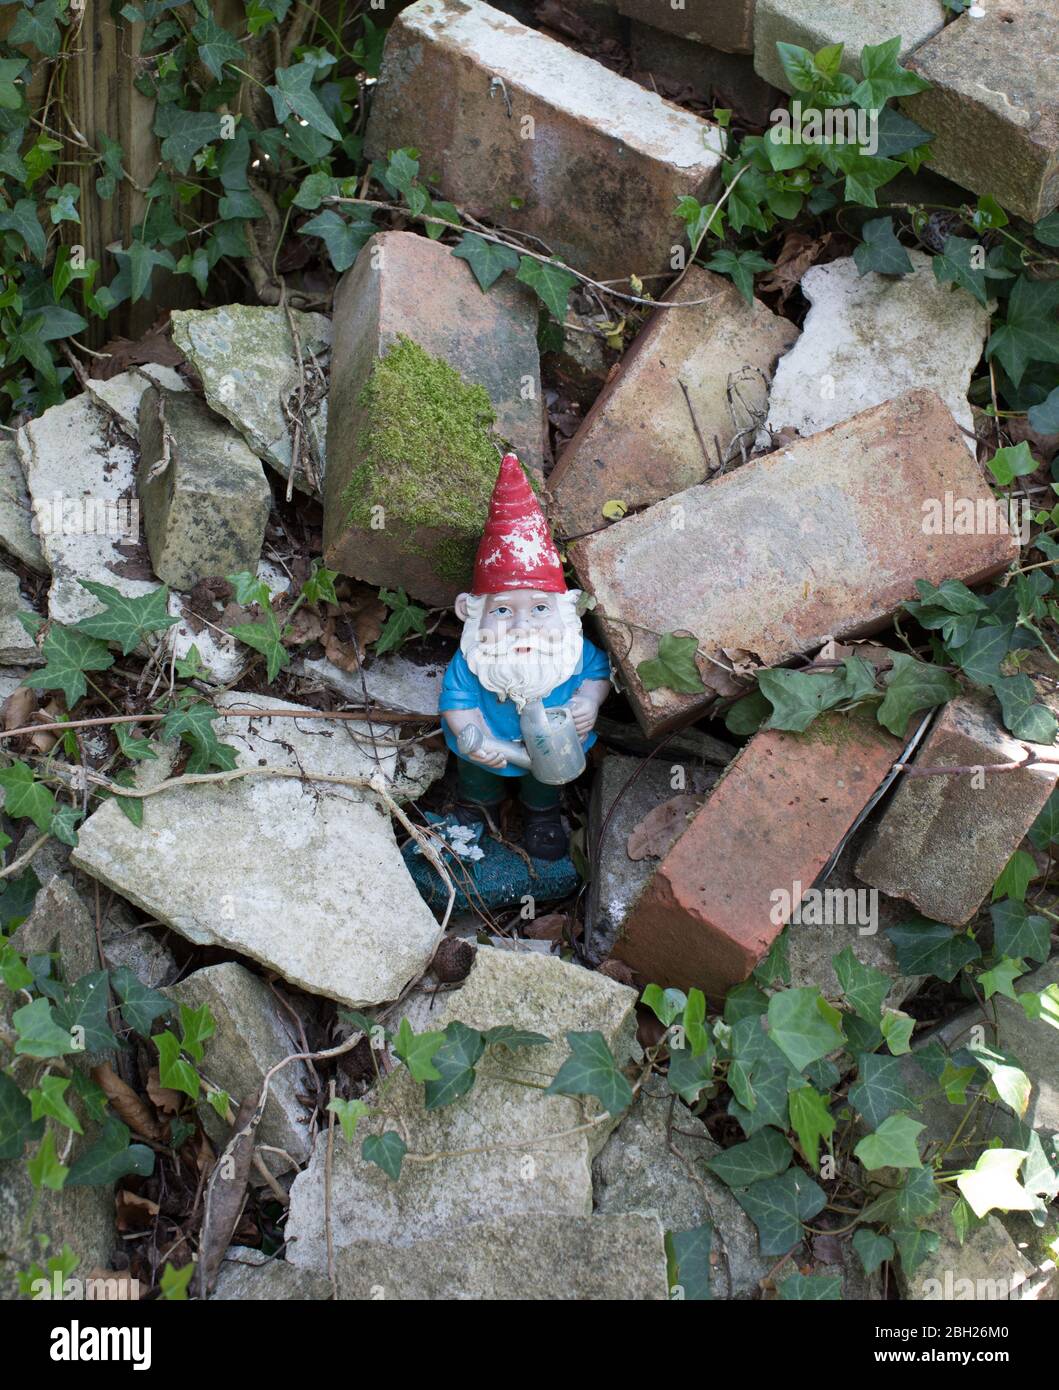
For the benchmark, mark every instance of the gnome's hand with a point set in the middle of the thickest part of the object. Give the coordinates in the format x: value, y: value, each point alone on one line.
x: 584, y: 712
x: 487, y: 759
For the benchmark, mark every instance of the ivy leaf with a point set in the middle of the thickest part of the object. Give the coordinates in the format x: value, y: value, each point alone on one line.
x: 48, y: 1100
x: 931, y: 948
x: 880, y: 250
x: 348, y: 1113
x: 267, y: 638
x: 249, y: 589
x: 197, y: 1026
x: 811, y: 1121
x: 22, y: 218
x: 506, y: 1036
x: 666, y: 1005
x: 38, y: 27
x: 38, y: 1033
x: 811, y: 1288
x: 1044, y: 418
x: 110, y: 1158
x: 766, y: 1155
x: 454, y: 1062
x: 1001, y: 978
x: 674, y: 667
x: 778, y: 1206
x: 872, y: 1248
x: 69, y: 655
x: 1012, y: 462
x: 404, y: 618
x: 25, y: 796
x: 912, y: 686
x: 690, y: 1072
x: 893, y: 1145
x: 1017, y: 934
x: 864, y: 987
x: 980, y: 656
x: 914, y: 1198
x: 1022, y: 710
x: 44, y: 1167
x: 216, y: 45
x: 487, y: 259
x: 417, y: 1051
x: 897, y: 1029
x: 1011, y: 1083
x: 1016, y: 877
x: 591, y: 1070
x: 914, y: 1245
x: 740, y: 267
x: 132, y: 745
x: 688, y: 1263
x: 83, y: 1013
x: 957, y: 264
x: 173, y: 1071
x: 880, y: 1088
x: 797, y: 697
x: 1045, y: 829
x: 1047, y: 229
x: 293, y: 93
x: 884, y: 77
x: 17, y: 1126
x: 993, y: 1184
x: 804, y: 1026
x: 386, y: 1150
x: 342, y: 238
x: 194, y: 724
x: 126, y: 620
x: 140, y: 1006
x: 1030, y: 332
x: 551, y: 283
x: 864, y: 173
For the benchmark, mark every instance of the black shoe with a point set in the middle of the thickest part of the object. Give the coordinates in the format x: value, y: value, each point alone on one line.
x: 475, y: 813
x: 543, y: 836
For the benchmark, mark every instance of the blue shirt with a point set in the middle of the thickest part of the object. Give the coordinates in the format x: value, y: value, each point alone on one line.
x: 461, y: 689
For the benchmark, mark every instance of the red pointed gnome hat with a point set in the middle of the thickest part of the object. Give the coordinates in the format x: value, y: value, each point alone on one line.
x: 517, y: 550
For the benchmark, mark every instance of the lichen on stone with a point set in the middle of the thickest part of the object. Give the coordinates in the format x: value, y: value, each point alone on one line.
x: 427, y: 452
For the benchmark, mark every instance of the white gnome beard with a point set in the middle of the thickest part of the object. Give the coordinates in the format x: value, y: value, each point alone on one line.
x: 552, y: 657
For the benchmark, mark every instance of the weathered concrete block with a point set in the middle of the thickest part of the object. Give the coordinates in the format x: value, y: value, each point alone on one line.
x: 249, y: 1275
x: 251, y: 1036
x: 500, y: 113
x: 474, y: 1179
x: 933, y: 333
x: 715, y: 77
x: 825, y: 537
x: 617, y: 880
x: 992, y: 104
x: 709, y: 913
x: 214, y: 862
x: 518, y: 1257
x: 814, y: 24
x: 942, y: 841
x: 17, y: 647
x: 247, y: 361
x: 638, y: 443
x: 422, y: 361
x: 724, y: 24
x: 205, y: 510
x: 986, y: 1264
x: 17, y: 535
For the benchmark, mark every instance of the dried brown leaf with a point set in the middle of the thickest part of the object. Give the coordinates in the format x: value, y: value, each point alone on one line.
x: 168, y: 1101
x: 653, y: 837
x: 128, y: 1106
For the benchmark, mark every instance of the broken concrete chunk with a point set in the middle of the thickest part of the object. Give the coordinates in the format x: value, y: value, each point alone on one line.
x: 616, y: 879
x: 816, y: 24
x: 248, y: 1275
x: 17, y: 647
x: 424, y: 363
x: 526, y: 132
x: 724, y: 24
x: 508, y: 1149
x: 986, y: 1264
x: 80, y: 1217
x: 942, y: 841
x: 215, y: 861
x: 991, y: 104
x: 17, y: 535
x: 518, y: 1257
x: 247, y: 361
x: 251, y: 1036
x: 204, y: 493
x: 638, y: 1172
x: 80, y: 466
x: 392, y: 682
x: 825, y: 537
x: 641, y: 442
x: 933, y: 335
x: 722, y: 894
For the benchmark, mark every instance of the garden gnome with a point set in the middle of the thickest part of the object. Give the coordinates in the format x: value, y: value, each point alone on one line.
x: 521, y: 642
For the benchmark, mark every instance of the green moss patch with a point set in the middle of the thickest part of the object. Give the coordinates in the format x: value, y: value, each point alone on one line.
x: 426, y: 450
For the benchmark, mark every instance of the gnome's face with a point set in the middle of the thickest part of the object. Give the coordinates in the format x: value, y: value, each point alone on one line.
x: 522, y: 643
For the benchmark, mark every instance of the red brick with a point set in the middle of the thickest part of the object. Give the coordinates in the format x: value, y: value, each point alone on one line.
x: 517, y: 128
x: 824, y: 537
x: 638, y: 442
x: 773, y: 820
